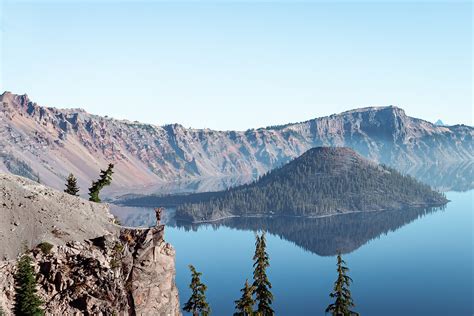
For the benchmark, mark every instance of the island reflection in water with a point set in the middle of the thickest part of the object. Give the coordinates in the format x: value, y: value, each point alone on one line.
x: 324, y: 236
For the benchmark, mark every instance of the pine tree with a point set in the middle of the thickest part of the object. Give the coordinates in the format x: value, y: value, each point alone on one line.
x: 71, y: 185
x: 26, y: 301
x: 244, y: 305
x: 197, y: 304
x: 343, y: 303
x: 261, y: 284
x: 104, y: 180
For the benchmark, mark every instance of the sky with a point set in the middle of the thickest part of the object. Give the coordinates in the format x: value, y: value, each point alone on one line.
x: 234, y: 65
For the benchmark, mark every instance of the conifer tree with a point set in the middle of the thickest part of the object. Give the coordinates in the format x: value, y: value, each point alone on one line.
x: 244, y: 305
x: 71, y: 185
x: 343, y: 303
x: 26, y: 301
x: 104, y: 180
x: 197, y: 304
x: 261, y: 283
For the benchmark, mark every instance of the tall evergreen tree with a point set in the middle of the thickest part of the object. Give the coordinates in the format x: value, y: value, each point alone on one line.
x: 104, y: 180
x: 71, y: 185
x: 197, y: 304
x: 261, y: 283
x: 27, y: 301
x: 244, y: 305
x: 343, y: 303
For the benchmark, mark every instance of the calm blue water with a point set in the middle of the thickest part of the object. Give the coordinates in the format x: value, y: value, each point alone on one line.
x: 412, y: 263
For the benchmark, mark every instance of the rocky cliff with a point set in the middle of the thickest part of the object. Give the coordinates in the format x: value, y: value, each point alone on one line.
x: 94, y: 267
x: 31, y: 213
x: 130, y: 275
x: 50, y: 143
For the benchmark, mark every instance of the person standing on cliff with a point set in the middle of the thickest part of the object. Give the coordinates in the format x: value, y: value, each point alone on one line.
x: 158, y: 212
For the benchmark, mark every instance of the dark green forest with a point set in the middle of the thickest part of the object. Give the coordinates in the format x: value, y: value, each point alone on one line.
x: 323, y: 181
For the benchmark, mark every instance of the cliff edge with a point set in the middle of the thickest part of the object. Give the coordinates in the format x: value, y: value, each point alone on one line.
x: 92, y: 267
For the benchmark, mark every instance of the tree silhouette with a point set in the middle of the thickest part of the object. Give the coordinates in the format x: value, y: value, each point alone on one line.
x: 197, y: 304
x: 261, y: 283
x: 104, y: 180
x: 244, y: 305
x: 27, y: 301
x: 71, y: 185
x: 343, y: 303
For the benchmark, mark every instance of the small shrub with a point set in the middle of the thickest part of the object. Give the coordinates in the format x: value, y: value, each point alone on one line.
x: 114, y: 263
x: 118, y: 248
x: 45, y: 247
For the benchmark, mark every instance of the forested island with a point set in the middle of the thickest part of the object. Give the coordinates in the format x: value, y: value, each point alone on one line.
x: 323, y: 181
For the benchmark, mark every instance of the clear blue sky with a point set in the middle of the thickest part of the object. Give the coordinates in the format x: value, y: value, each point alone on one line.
x: 237, y: 65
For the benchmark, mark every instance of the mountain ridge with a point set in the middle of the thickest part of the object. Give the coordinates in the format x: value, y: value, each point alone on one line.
x: 49, y: 143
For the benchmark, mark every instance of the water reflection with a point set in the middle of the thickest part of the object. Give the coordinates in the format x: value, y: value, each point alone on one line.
x: 325, y: 236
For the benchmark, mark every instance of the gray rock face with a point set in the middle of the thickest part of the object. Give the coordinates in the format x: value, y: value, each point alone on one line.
x: 95, y: 267
x: 54, y: 142
x: 151, y: 273
x: 31, y: 213
x: 128, y: 274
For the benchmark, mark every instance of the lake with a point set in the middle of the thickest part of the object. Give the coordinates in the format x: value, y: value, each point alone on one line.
x: 413, y: 262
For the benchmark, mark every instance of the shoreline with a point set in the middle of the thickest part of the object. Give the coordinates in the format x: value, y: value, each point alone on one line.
x: 308, y: 217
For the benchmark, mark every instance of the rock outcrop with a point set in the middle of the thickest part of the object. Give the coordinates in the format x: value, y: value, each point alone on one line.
x: 50, y: 143
x: 86, y: 264
x: 31, y: 213
x: 132, y: 274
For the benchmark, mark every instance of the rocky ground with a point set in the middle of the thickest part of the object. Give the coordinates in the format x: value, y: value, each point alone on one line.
x: 94, y: 266
x: 132, y: 274
x: 31, y: 213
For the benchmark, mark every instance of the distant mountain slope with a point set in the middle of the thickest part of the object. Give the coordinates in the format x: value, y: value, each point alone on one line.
x: 323, y: 181
x: 49, y: 143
